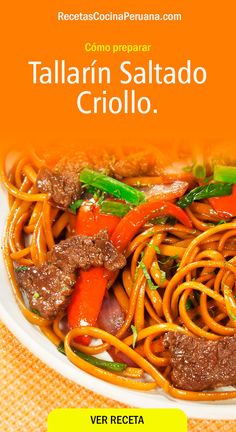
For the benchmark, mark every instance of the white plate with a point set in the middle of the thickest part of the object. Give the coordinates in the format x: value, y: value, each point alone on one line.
x: 39, y: 345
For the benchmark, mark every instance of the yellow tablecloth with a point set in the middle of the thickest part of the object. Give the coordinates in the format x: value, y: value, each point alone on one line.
x: 29, y: 390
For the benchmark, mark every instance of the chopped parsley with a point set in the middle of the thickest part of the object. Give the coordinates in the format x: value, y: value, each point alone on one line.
x: 188, y: 304
x: 163, y: 276
x: 75, y: 205
x: 232, y: 316
x: 147, y: 276
x: 21, y: 268
x: 61, y: 348
x: 155, y: 247
x: 174, y: 257
x: 36, y: 312
x: 135, y: 335
x: 221, y: 222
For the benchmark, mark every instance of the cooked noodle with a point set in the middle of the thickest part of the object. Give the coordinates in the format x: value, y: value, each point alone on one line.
x: 204, y: 256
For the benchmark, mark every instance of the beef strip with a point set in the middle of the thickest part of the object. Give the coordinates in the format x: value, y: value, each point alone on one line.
x: 135, y: 165
x: 62, y: 182
x: 84, y: 251
x: 64, y: 188
x: 200, y: 364
x: 48, y: 287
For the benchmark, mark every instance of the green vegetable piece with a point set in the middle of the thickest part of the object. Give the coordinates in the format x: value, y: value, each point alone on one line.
x: 221, y: 222
x: 36, y: 295
x: 135, y: 335
x: 36, y: 312
x: 155, y: 247
x: 199, y: 171
x: 104, y: 364
x: 188, y: 304
x: 21, y: 268
x: 187, y: 168
x: 224, y: 173
x: 209, y: 191
x: 112, y: 186
x: 75, y: 205
x: 115, y: 208
x: 147, y: 276
x: 163, y: 276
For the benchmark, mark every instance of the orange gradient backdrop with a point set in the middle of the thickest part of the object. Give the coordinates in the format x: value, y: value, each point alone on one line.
x: 37, y: 115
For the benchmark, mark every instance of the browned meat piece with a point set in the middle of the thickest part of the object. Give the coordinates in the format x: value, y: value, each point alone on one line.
x: 83, y: 252
x: 47, y: 288
x: 135, y: 165
x: 64, y: 188
x: 62, y: 182
x: 200, y: 364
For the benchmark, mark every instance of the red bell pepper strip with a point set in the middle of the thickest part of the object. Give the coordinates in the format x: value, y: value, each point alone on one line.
x: 136, y: 218
x: 90, y: 221
x: 91, y: 285
x: 225, y: 205
x: 86, y: 301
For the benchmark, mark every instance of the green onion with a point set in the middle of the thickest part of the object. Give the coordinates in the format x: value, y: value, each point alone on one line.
x: 135, y: 335
x: 209, y: 191
x: 112, y: 186
x: 36, y: 295
x: 225, y: 173
x: 115, y: 208
x: 21, y: 268
x: 101, y: 198
x: 199, y: 171
x: 104, y: 364
x: 75, y: 205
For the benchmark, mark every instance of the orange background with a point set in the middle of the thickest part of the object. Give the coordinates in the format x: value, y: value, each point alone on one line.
x: 37, y: 114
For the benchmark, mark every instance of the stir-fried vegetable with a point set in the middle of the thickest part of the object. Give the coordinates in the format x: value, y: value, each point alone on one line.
x: 112, y: 186
x: 208, y: 191
x: 104, y: 364
x: 226, y: 205
x: 225, y: 173
x: 115, y: 208
x: 134, y: 220
x: 135, y: 335
x: 75, y: 205
x: 91, y: 285
x: 199, y: 171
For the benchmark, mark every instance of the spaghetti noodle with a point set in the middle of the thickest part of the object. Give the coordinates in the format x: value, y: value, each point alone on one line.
x: 199, y: 260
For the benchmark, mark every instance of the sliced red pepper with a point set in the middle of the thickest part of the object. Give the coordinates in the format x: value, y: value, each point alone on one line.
x: 90, y: 221
x: 87, y: 300
x: 136, y: 218
x: 91, y: 285
x: 225, y: 205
